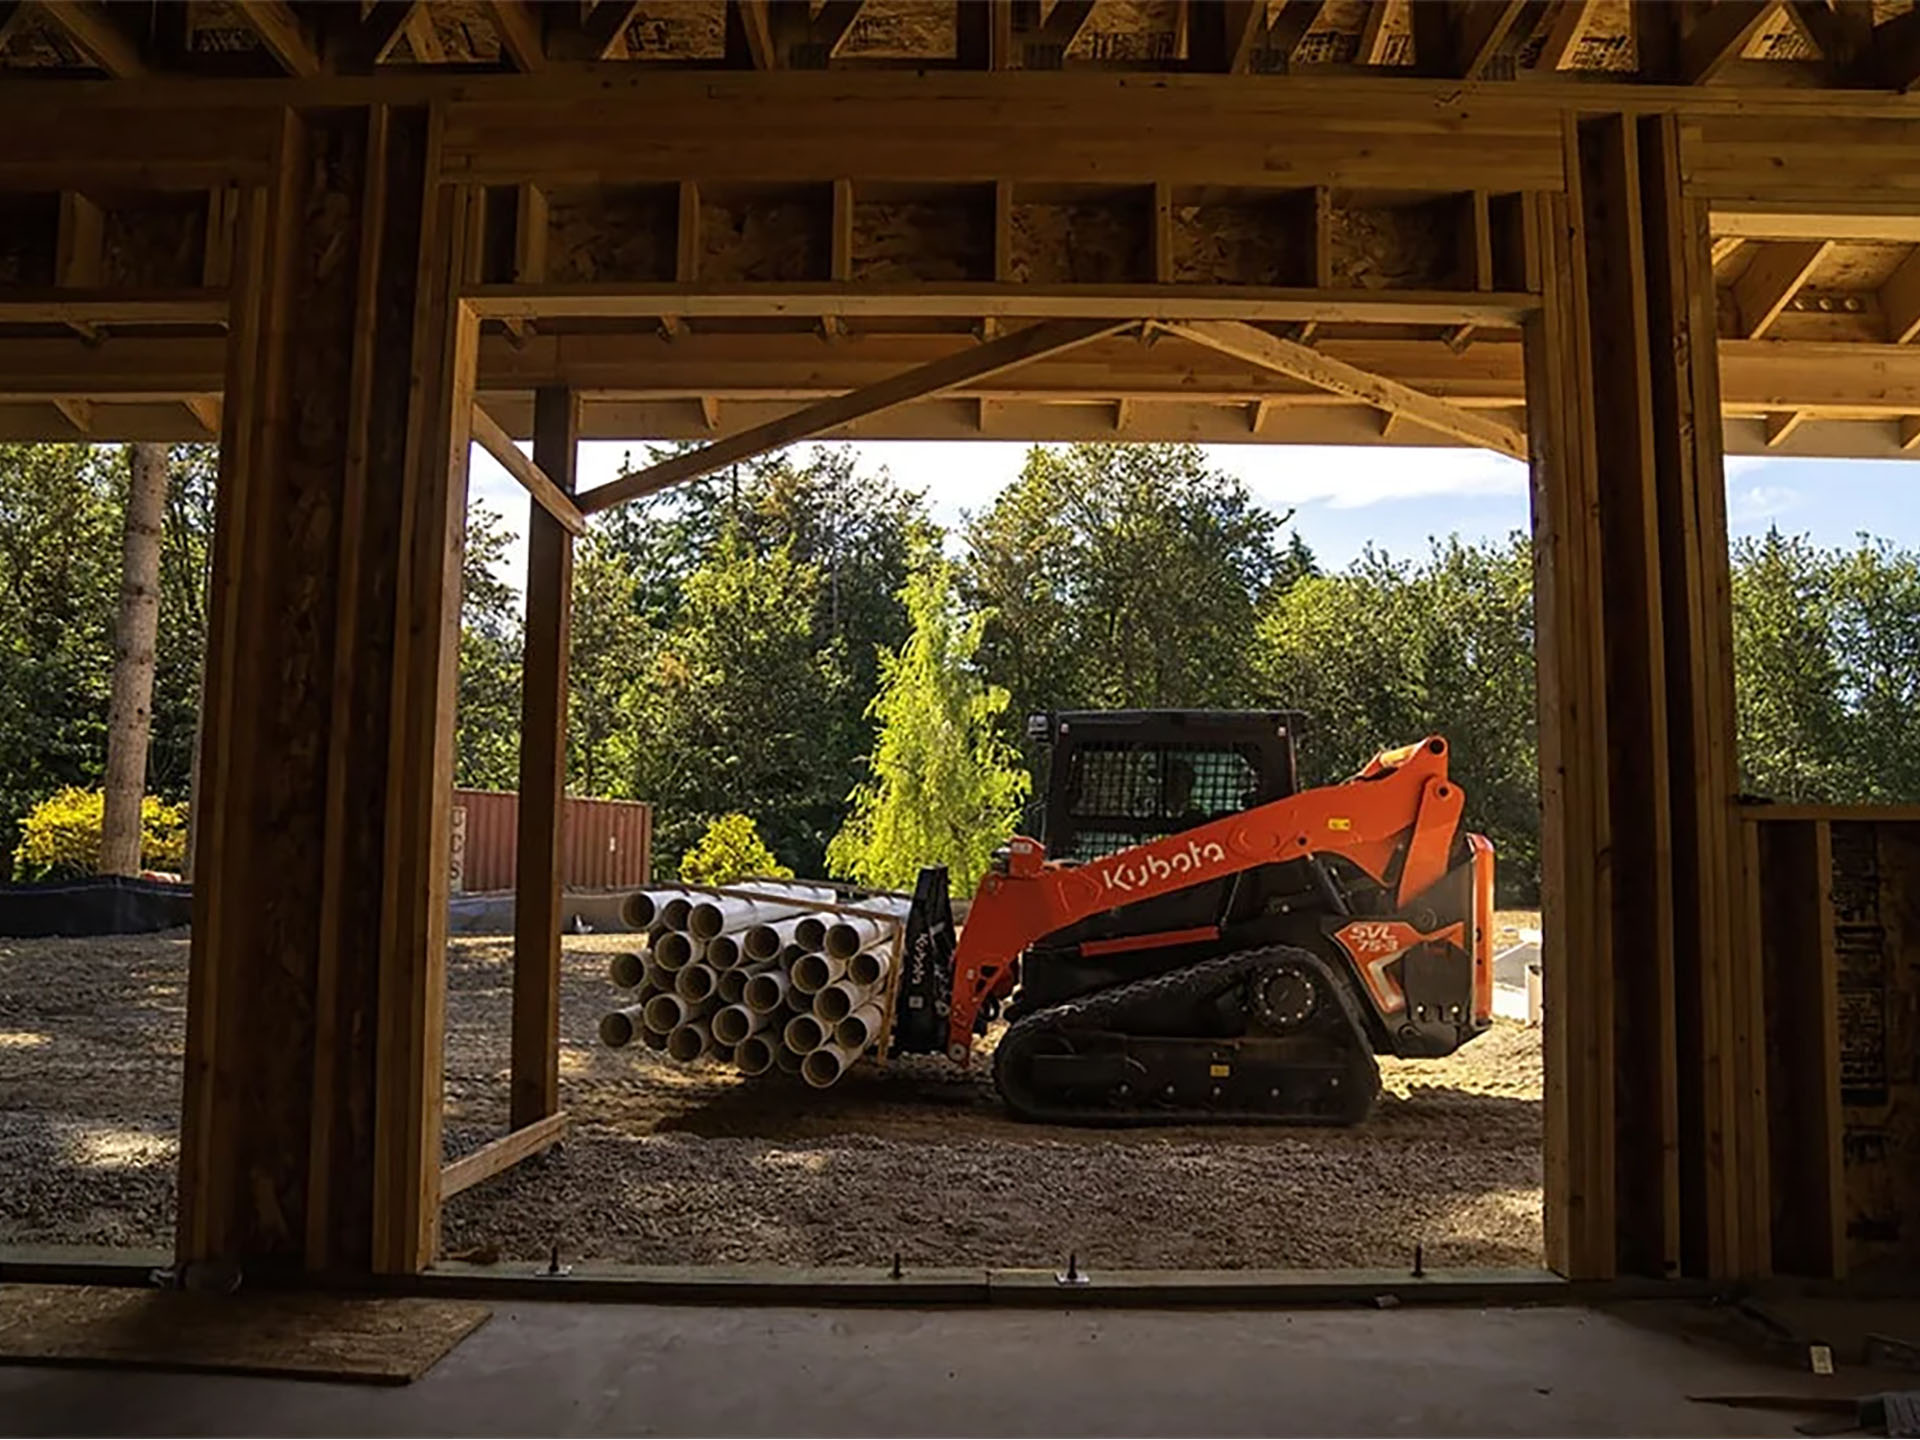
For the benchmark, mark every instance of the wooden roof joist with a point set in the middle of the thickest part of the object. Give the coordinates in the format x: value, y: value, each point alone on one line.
x: 1302, y: 362
x: 1005, y: 353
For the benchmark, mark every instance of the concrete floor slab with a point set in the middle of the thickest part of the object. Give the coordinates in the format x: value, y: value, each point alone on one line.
x: 576, y: 1369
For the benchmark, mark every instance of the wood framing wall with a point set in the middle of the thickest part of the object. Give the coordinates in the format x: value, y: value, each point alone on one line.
x: 370, y: 254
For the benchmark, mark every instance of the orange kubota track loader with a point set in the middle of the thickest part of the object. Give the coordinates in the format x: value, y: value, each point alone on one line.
x: 1198, y: 940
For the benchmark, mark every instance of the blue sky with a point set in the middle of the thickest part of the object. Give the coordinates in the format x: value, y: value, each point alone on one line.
x: 1347, y: 497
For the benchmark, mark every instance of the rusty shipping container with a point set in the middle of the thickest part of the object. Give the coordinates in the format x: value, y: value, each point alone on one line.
x: 606, y: 844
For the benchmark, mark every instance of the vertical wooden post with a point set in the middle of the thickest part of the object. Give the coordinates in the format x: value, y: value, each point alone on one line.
x: 1723, y: 1230
x: 543, y: 771
x: 1576, y: 880
x: 1647, y: 1162
x: 410, y: 1048
x: 294, y: 1031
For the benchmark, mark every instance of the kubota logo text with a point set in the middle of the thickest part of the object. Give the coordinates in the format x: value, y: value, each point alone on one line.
x: 1138, y: 872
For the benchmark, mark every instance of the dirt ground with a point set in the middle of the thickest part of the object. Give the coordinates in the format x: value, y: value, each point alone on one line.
x: 665, y: 1164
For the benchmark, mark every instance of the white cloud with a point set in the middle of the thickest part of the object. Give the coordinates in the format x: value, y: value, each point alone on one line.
x: 1762, y: 502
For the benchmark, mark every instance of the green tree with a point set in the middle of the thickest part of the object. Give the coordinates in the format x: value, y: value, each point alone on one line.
x: 487, y: 723
x: 945, y: 788
x: 186, y: 555
x: 730, y: 850
x: 1389, y: 652
x: 1787, y: 676
x: 59, y: 576
x: 730, y: 718
x: 612, y: 651
x: 1122, y: 575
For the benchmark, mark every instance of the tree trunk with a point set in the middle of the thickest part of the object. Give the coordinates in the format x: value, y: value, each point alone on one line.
x: 134, y: 633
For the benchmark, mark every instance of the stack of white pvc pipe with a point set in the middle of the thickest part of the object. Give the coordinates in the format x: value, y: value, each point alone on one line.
x: 783, y: 979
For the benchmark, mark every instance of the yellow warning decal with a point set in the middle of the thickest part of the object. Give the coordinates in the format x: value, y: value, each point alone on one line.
x: 1219, y: 1072
x: 1338, y: 822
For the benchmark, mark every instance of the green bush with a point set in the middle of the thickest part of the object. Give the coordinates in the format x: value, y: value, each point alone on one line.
x: 730, y: 850
x: 60, y: 838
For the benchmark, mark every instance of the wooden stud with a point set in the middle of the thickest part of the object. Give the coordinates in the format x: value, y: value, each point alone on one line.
x: 1290, y: 27
x: 1046, y: 338
x: 1724, y: 247
x: 1122, y: 415
x: 424, y: 36
x: 282, y: 35
x: 1718, y: 36
x: 686, y: 259
x: 90, y: 26
x: 1900, y: 300
x: 1373, y: 33
x: 1909, y: 431
x: 840, y: 251
x: 412, y: 1000
x: 543, y: 768
x: 1481, y: 27
x: 552, y: 497
x: 1570, y: 20
x: 1642, y: 963
x: 223, y: 209
x: 833, y: 24
x: 1243, y: 32
x: 757, y: 27
x: 78, y: 257
x: 1287, y: 357
x: 1480, y: 223
x: 1772, y: 279
x: 1002, y: 232
x: 1162, y: 242
x: 517, y: 23
x: 710, y: 412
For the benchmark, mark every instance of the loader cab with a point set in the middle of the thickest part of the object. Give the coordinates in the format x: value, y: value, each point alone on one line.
x: 1118, y: 778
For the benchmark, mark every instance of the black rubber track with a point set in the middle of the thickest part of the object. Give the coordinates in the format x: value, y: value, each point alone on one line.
x: 1138, y: 1010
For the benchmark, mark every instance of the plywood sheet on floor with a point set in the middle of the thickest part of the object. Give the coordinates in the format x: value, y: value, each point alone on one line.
x: 382, y: 1340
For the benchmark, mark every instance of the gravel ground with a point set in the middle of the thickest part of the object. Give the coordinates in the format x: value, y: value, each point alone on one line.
x: 671, y: 1165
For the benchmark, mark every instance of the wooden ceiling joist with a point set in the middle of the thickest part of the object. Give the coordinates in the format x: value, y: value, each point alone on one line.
x: 489, y: 435
x: 1718, y: 36
x: 1781, y: 424
x: 829, y: 29
x: 950, y: 372
x: 97, y: 33
x: 1373, y: 34
x: 1227, y: 35
x: 1772, y: 279
x: 756, y: 27
x: 1569, y: 23
x: 1258, y: 347
x: 1480, y: 28
x: 1290, y: 27
x: 279, y: 30
x: 518, y: 24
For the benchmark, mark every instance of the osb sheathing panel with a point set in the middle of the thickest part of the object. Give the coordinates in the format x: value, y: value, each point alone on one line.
x: 465, y: 34
x: 1129, y: 30
x: 923, y: 240
x: 903, y: 30
x: 612, y: 233
x: 688, y: 29
x: 159, y: 244
x: 1244, y: 243
x: 1857, y: 267
x: 1396, y: 246
x: 765, y: 238
x: 1876, y: 919
x: 217, y: 27
x: 36, y: 43
x: 1090, y: 242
